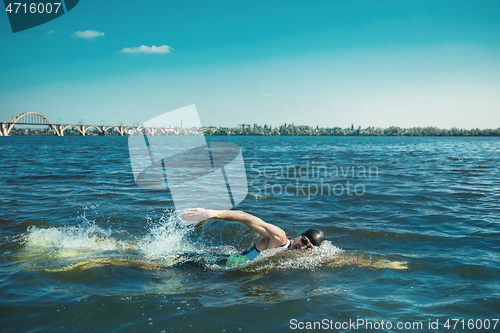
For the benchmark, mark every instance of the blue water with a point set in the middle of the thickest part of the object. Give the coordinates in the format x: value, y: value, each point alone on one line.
x: 412, y: 224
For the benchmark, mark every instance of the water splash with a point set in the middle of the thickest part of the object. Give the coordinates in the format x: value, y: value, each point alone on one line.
x: 164, y: 243
x: 166, y: 238
x: 310, y: 259
x: 86, y: 236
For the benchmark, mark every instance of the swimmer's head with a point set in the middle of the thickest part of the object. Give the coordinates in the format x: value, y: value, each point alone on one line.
x: 309, y: 239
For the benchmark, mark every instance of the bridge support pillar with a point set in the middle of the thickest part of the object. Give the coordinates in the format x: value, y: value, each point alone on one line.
x: 102, y: 130
x: 60, y: 131
x: 57, y: 129
x: 5, y: 128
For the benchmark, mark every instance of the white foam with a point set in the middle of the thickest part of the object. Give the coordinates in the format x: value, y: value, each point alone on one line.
x: 167, y: 238
x: 87, y: 236
x: 308, y: 259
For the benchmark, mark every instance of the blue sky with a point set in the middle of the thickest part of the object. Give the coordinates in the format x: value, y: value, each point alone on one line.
x: 326, y: 63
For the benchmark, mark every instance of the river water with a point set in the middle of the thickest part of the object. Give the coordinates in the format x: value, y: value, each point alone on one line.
x: 412, y: 224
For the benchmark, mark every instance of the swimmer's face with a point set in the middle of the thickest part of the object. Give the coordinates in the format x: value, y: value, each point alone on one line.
x: 301, y: 243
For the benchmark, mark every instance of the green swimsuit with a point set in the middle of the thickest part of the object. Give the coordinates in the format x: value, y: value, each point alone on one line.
x: 249, y: 254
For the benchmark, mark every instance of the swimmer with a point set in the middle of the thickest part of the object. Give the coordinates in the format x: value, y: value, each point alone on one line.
x: 273, y: 237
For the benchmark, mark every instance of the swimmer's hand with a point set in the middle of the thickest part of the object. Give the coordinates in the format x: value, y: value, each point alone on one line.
x: 199, y: 215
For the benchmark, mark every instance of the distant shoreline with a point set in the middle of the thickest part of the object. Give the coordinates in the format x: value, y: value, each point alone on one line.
x: 299, y: 130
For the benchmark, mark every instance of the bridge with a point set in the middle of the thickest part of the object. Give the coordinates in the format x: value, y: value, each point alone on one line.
x: 35, y: 118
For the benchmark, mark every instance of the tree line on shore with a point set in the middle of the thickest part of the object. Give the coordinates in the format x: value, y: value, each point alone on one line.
x: 293, y: 130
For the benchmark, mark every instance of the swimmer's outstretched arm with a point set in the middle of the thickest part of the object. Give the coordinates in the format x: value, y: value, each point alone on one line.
x: 273, y: 235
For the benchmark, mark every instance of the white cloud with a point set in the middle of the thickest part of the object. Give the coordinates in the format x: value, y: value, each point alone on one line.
x: 266, y: 95
x: 51, y: 32
x: 148, y: 49
x: 87, y: 34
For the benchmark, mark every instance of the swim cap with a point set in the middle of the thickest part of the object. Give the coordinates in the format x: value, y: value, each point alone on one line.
x: 315, y: 236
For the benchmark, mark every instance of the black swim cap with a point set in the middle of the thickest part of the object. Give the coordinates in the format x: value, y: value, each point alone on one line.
x: 315, y: 236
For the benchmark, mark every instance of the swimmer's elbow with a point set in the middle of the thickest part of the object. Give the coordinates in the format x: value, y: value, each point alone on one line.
x: 279, y: 235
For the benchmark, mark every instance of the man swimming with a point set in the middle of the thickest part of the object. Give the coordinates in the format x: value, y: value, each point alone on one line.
x: 273, y: 237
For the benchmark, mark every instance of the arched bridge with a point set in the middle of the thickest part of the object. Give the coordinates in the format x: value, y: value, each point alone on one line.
x: 35, y: 118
